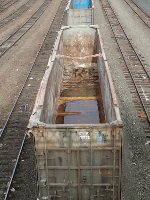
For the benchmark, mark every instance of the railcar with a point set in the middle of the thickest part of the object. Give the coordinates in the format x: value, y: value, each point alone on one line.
x: 76, y: 121
x: 79, y: 15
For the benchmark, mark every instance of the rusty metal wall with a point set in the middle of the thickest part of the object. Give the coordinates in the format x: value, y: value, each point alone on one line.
x: 52, y: 92
x: 78, y: 163
x: 79, y: 42
x: 105, y: 87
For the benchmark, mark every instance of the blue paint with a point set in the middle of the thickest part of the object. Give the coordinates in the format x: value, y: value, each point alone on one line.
x: 100, y: 138
x: 79, y: 4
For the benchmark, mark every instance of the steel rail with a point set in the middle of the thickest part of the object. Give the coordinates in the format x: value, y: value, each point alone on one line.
x: 15, y: 167
x: 11, y: 3
x: 16, y: 13
x: 7, y: 2
x: 3, y: 128
x: 139, y: 13
x: 147, y: 14
x: 15, y: 104
x: 123, y: 56
x: 12, y: 39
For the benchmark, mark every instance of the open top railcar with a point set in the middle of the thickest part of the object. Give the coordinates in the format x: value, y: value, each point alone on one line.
x: 76, y: 121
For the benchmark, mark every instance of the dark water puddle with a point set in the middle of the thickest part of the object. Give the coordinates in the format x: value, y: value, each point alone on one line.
x: 87, y: 112
x: 77, y: 108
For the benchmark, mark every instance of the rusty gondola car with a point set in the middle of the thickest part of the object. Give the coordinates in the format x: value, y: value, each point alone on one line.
x: 76, y: 121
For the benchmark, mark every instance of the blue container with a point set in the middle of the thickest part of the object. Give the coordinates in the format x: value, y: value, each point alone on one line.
x: 79, y: 4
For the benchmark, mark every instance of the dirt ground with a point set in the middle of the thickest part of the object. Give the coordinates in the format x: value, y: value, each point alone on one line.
x: 145, y: 4
x: 16, y: 62
x: 11, y: 27
x: 135, y: 29
x: 11, y: 9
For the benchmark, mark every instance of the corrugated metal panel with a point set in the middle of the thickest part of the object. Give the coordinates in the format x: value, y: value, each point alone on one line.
x: 80, y: 17
x: 79, y: 164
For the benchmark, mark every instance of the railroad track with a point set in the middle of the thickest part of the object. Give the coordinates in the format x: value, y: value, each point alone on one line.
x: 17, y: 13
x: 11, y: 40
x: 13, y: 135
x: 136, y: 73
x: 140, y: 12
x: 6, y: 5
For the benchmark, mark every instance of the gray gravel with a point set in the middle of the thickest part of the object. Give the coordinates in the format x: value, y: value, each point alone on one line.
x: 136, y: 30
x: 136, y: 155
x: 145, y: 4
x: 15, y: 64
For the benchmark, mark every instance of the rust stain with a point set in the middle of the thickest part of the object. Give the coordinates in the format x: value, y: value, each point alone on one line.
x: 142, y: 115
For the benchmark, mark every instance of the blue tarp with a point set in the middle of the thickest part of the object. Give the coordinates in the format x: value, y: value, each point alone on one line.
x: 78, y: 4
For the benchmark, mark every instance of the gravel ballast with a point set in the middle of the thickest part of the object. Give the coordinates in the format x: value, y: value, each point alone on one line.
x: 136, y: 155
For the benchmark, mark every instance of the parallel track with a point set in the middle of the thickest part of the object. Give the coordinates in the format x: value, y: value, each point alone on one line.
x: 139, y: 11
x: 16, y: 13
x: 11, y: 41
x: 13, y: 134
x: 136, y: 73
x: 5, y: 6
